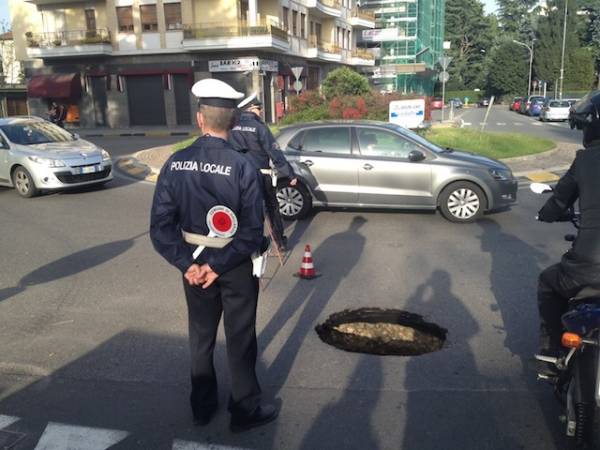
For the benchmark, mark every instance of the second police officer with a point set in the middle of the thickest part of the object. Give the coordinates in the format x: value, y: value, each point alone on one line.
x: 252, y: 137
x: 207, y: 176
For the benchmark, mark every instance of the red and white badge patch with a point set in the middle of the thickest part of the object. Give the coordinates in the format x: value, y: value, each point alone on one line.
x: 221, y: 221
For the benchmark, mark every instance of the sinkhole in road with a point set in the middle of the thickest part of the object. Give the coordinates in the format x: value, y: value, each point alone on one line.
x: 381, y: 332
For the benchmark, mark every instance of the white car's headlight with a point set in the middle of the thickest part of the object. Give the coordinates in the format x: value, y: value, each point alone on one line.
x: 105, y: 155
x: 48, y: 162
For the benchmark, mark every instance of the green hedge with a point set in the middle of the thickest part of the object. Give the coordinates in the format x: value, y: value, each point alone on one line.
x: 473, y: 96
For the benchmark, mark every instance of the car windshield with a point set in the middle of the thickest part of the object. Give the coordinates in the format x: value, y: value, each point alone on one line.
x: 35, y: 132
x: 416, y: 138
x: 536, y: 99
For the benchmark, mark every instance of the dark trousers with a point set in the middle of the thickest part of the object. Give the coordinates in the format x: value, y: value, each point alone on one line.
x: 555, y: 288
x: 234, y: 294
x: 272, y: 207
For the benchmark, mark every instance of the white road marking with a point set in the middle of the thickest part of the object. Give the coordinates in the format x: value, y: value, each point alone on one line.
x: 60, y: 437
x: 7, y: 421
x: 467, y: 124
x: 518, y: 124
x: 536, y: 124
x: 501, y: 124
x: 186, y: 445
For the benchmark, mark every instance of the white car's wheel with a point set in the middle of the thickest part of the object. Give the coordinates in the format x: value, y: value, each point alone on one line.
x: 462, y: 202
x: 23, y: 183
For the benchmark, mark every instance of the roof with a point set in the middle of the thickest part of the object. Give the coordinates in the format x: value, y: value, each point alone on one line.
x: 334, y: 122
x: 8, y: 36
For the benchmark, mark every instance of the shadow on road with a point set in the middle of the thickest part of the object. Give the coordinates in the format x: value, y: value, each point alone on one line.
x: 70, y: 265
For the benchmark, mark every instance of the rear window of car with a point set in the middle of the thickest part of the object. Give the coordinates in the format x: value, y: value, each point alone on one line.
x: 327, y: 140
x: 537, y: 99
x: 559, y: 104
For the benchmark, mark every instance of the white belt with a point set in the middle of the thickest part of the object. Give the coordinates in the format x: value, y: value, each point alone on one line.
x: 205, y: 241
x: 266, y: 171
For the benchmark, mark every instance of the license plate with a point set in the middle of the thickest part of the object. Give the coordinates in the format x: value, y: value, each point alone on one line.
x: 90, y: 169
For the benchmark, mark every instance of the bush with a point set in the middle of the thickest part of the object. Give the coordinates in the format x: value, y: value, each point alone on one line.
x: 306, y: 115
x: 344, y: 81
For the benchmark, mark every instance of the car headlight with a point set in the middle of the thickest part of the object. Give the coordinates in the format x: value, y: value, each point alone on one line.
x: 48, y: 162
x: 105, y: 155
x: 501, y: 174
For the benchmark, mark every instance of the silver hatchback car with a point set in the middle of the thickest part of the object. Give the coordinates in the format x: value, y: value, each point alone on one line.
x: 381, y: 165
x: 37, y: 155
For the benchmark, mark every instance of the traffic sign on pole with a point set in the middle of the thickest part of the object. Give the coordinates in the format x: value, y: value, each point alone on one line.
x: 297, y: 71
x: 445, y: 61
x: 444, y: 77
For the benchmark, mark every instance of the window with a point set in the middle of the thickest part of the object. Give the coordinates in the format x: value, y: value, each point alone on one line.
x: 349, y: 40
x: 173, y: 16
x: 338, y: 36
x: 318, y: 28
x: 303, y: 26
x: 375, y: 142
x: 327, y: 140
x: 311, y: 28
x: 295, y: 23
x: 286, y: 23
x: 296, y: 142
x: 149, y: 18
x: 125, y: 18
x: 90, y: 20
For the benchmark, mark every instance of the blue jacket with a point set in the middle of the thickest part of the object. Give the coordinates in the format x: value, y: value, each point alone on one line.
x: 207, y: 173
x: 253, y: 138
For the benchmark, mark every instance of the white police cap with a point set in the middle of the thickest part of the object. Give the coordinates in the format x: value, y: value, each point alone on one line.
x: 251, y: 100
x: 215, y: 92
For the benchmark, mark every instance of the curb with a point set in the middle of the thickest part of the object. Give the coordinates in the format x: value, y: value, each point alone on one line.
x: 139, y: 134
x: 133, y: 167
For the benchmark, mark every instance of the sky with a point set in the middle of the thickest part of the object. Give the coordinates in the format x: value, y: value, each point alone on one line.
x: 490, y: 6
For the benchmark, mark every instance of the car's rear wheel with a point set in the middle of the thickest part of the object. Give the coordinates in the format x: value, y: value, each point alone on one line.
x: 294, y: 201
x: 462, y: 202
x: 23, y: 183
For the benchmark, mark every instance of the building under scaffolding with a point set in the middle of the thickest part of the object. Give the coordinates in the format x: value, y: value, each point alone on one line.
x: 407, y: 42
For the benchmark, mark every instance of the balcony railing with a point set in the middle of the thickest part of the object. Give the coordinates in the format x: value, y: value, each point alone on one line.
x: 239, y: 29
x: 68, y: 38
x: 363, y: 14
x: 362, y: 54
x: 336, y: 4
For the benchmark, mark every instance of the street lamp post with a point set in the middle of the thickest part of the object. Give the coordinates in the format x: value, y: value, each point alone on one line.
x: 562, y: 59
x: 530, y: 62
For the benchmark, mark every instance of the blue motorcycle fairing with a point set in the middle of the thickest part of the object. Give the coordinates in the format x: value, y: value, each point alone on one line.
x: 582, y: 319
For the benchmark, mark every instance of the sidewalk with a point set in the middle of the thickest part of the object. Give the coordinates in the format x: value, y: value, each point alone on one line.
x: 157, y: 131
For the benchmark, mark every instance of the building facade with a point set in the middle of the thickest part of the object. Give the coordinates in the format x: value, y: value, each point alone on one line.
x: 407, y: 42
x: 12, y: 88
x: 121, y: 63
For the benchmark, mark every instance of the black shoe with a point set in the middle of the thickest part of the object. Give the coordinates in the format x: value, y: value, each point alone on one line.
x: 202, y: 418
x: 261, y: 416
x: 547, y: 369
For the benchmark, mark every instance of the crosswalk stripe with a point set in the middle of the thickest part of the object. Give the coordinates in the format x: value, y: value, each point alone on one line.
x: 501, y: 124
x: 186, y: 445
x: 517, y: 124
x: 7, y: 421
x: 59, y: 437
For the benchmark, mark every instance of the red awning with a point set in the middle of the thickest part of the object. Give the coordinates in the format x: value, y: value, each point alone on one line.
x: 64, y: 85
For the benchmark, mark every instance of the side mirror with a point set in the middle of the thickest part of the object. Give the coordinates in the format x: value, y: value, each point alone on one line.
x: 76, y: 136
x: 416, y: 156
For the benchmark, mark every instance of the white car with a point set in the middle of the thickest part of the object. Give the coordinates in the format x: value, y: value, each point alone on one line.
x: 555, y: 110
x: 37, y: 155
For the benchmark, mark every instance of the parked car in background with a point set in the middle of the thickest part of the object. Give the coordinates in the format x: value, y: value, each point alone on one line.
x: 555, y: 110
x: 437, y: 103
x: 535, y: 108
x: 484, y: 102
x: 572, y: 101
x: 526, y: 103
x: 37, y: 155
x: 455, y: 103
x: 515, y: 104
x: 370, y: 164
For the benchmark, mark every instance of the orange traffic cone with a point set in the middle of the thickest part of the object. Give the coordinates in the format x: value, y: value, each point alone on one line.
x: 307, y: 268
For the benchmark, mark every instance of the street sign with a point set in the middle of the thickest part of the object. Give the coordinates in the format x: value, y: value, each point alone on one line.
x: 444, y: 77
x: 297, y: 71
x: 407, y: 113
x: 297, y: 85
x: 445, y: 61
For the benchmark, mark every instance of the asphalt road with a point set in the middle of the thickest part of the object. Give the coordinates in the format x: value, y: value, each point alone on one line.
x: 93, y: 346
x: 501, y: 119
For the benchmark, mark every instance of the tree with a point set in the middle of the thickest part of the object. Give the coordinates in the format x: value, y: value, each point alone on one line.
x: 344, y: 81
x: 591, y: 35
x: 548, y: 47
x: 580, y: 72
x: 517, y: 18
x: 470, y: 33
x: 509, y: 69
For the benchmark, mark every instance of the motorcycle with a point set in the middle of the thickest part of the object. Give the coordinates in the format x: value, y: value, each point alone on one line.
x: 577, y: 383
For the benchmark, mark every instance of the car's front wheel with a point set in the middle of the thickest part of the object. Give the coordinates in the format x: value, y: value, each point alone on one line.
x: 23, y: 183
x: 294, y: 201
x: 462, y: 202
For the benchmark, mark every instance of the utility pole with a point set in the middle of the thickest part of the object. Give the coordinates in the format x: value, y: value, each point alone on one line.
x: 562, y: 59
x: 530, y: 61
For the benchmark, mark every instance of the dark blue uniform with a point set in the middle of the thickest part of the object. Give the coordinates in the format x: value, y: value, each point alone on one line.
x: 209, y: 173
x: 253, y: 138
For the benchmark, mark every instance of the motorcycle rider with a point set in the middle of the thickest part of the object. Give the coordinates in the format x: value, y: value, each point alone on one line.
x: 580, y: 266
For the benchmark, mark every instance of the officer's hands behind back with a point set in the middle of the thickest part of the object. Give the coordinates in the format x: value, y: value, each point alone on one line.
x: 197, y: 275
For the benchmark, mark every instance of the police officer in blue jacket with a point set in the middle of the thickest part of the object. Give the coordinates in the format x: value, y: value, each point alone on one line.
x: 206, y: 174
x: 252, y: 137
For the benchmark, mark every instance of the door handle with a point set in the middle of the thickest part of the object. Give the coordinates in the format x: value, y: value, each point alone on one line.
x: 367, y: 167
x: 308, y: 162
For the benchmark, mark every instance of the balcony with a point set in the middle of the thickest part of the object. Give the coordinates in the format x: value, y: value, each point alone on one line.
x: 362, y: 18
x: 362, y: 57
x: 223, y: 36
x: 73, y: 43
x: 324, y: 8
x: 325, y: 51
